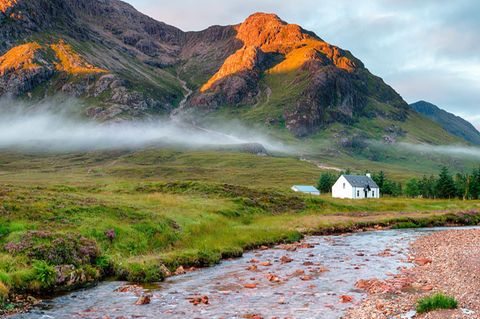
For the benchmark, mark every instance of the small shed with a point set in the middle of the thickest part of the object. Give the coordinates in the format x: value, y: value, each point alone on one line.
x: 306, y: 189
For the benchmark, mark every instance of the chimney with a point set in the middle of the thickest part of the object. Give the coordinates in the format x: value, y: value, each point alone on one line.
x: 369, y: 175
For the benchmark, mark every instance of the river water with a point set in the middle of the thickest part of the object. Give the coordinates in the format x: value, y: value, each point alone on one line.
x: 321, y: 270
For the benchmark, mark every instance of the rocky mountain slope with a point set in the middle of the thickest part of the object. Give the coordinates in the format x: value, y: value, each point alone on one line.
x: 122, y: 64
x: 450, y: 122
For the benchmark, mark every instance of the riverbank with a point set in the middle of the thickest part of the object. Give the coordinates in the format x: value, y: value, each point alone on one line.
x: 447, y: 262
x: 301, y: 280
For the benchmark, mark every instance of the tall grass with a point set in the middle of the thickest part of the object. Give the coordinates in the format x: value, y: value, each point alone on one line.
x: 436, y: 302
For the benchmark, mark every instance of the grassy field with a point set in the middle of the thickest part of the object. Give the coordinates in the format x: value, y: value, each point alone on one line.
x: 128, y: 214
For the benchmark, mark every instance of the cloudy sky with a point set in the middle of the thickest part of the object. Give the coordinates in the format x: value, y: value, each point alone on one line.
x: 426, y: 49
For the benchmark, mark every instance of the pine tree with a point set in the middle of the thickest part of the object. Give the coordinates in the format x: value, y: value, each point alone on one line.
x: 326, y: 182
x: 474, y: 190
x: 412, y: 189
x: 445, y: 187
x: 462, y: 184
x: 380, y: 180
x: 427, y: 187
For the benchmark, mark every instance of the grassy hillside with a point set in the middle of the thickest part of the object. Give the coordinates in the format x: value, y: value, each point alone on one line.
x: 453, y: 124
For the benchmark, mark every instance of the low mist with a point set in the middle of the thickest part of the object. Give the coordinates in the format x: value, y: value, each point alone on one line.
x: 450, y: 150
x: 55, y: 127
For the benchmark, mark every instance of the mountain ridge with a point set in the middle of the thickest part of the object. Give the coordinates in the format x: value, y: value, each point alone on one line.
x: 452, y: 123
x: 263, y: 71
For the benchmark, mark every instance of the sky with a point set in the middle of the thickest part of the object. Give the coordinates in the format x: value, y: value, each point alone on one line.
x: 425, y: 49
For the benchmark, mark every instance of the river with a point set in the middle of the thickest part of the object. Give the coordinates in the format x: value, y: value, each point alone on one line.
x: 308, y: 282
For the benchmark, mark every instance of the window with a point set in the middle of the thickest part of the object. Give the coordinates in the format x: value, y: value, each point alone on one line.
x: 373, y: 193
x: 358, y: 193
x: 344, y: 186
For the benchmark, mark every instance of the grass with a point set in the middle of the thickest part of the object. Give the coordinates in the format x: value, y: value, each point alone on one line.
x: 436, y: 302
x: 138, y: 213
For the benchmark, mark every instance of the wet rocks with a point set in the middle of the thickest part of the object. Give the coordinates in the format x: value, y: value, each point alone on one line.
x: 285, y: 260
x: 180, y: 271
x: 198, y: 300
x: 346, y: 299
x: 130, y: 289
x: 143, y: 300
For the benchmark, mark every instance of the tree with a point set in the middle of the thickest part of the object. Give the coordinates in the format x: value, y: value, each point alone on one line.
x: 326, y: 182
x: 474, y: 189
x: 412, y: 189
x: 387, y: 187
x: 462, y: 185
x: 427, y: 187
x: 380, y: 180
x: 445, y: 187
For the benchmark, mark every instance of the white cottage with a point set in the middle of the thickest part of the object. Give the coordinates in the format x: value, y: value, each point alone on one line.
x: 355, y: 187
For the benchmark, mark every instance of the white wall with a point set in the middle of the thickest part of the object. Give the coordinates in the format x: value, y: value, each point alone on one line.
x: 342, y: 189
x: 359, y: 193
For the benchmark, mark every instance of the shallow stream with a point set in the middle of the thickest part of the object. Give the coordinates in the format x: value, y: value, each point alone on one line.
x: 321, y: 270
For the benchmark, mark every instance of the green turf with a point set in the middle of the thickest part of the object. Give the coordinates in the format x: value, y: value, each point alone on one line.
x: 171, y: 207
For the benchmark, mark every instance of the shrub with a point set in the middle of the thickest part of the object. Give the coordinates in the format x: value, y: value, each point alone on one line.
x: 44, y: 273
x: 144, y: 272
x: 110, y: 234
x: 104, y: 263
x: 21, y: 279
x: 55, y: 248
x: 436, y: 302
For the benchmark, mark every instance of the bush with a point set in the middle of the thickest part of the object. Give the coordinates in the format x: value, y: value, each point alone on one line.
x: 55, y: 248
x: 146, y: 272
x: 22, y: 278
x: 44, y: 273
x: 436, y: 302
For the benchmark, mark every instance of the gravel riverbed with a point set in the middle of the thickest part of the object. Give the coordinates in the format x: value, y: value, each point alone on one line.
x: 446, y: 262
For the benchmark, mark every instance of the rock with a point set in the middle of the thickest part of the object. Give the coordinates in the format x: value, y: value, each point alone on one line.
x: 252, y: 268
x: 199, y: 300
x: 129, y: 288
x: 346, y: 299
x: 422, y: 261
x: 143, y: 300
x: 265, y: 264
x: 285, y: 259
x: 250, y: 286
x: 272, y: 278
x: 180, y: 271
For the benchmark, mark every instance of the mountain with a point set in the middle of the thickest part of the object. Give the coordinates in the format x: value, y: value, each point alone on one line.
x: 450, y: 122
x: 264, y: 71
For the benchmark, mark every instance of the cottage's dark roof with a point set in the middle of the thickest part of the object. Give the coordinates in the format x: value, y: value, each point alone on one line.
x: 360, y: 181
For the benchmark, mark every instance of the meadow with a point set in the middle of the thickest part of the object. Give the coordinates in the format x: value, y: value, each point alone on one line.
x: 137, y: 215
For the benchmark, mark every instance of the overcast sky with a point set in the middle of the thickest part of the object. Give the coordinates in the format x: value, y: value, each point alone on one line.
x: 425, y: 49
